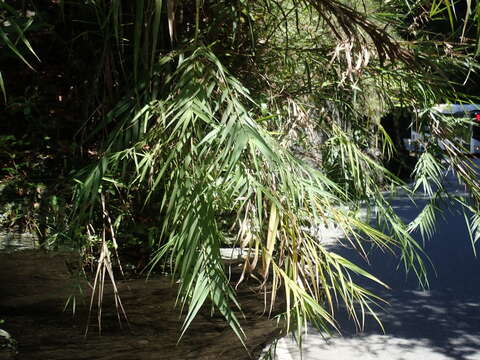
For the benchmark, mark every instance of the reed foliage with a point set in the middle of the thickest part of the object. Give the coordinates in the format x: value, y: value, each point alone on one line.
x: 249, y: 123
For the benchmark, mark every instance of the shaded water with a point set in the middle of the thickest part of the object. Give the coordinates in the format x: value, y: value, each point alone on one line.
x: 34, y: 286
x: 440, y: 323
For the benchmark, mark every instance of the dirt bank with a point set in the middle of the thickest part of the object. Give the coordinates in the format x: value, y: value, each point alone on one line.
x: 33, y: 289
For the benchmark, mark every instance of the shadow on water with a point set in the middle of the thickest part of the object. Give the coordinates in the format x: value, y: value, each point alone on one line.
x: 418, y: 325
x: 445, y: 318
x: 438, y: 323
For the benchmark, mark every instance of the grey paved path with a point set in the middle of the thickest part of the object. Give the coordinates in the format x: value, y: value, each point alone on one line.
x: 442, y: 323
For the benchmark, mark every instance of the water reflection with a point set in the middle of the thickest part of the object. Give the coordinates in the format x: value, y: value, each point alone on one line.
x: 10, y: 241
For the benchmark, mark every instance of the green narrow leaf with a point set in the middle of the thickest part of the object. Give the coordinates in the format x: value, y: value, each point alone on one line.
x: 171, y: 19
x: 156, y: 29
x: 20, y: 33
x: 2, y: 88
x: 137, y: 36
x: 12, y: 47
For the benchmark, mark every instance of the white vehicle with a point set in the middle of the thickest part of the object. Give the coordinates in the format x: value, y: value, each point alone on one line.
x: 467, y: 134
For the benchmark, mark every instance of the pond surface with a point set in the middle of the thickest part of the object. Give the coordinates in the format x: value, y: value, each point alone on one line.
x: 438, y: 323
x: 35, y: 284
x: 11, y: 241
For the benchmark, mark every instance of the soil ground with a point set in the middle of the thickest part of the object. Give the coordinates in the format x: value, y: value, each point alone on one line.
x: 34, y: 286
